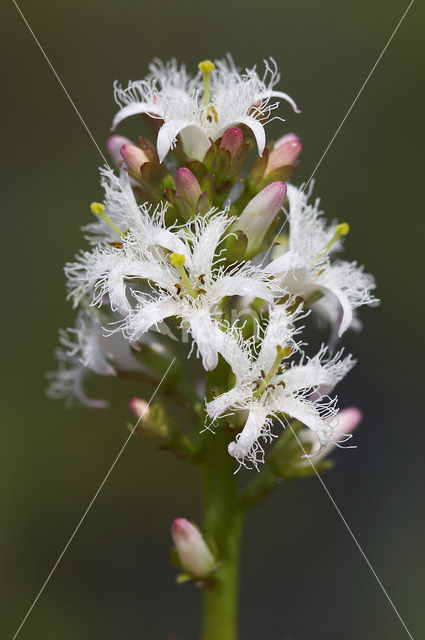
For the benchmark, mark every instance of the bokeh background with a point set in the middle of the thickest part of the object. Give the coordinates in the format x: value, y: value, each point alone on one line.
x: 302, y: 576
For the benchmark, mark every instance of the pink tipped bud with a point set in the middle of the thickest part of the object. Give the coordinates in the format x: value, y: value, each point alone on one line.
x: 133, y: 157
x: 348, y: 420
x: 114, y: 145
x: 150, y: 419
x: 194, y: 554
x: 258, y: 215
x: 285, y: 152
x: 139, y: 407
x: 232, y: 140
x: 187, y: 186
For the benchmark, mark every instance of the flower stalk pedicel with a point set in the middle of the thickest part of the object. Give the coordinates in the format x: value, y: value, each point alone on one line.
x: 182, y: 263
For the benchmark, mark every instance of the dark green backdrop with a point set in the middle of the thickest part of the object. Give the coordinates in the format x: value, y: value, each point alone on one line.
x: 302, y: 575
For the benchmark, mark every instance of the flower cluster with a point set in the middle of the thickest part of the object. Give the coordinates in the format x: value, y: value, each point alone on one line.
x: 184, y: 246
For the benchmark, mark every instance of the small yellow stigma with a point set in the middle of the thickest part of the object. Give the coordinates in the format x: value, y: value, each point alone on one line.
x: 177, y: 259
x: 340, y: 230
x: 99, y: 210
x: 206, y: 66
x: 343, y: 228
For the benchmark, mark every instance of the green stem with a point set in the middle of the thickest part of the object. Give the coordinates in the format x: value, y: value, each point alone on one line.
x: 222, y: 524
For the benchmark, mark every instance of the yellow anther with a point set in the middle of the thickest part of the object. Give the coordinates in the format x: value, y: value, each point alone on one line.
x: 97, y: 208
x: 253, y: 213
x: 206, y: 66
x: 342, y: 228
x: 177, y: 259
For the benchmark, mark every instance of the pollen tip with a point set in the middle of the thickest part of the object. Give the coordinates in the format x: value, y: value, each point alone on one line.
x: 177, y: 259
x: 343, y: 228
x: 97, y: 208
x: 206, y: 66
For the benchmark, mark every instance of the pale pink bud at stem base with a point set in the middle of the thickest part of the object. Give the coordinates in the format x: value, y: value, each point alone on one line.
x: 285, y: 152
x: 259, y: 214
x: 133, y: 157
x: 187, y: 186
x: 232, y: 140
x: 114, y: 145
x: 194, y: 554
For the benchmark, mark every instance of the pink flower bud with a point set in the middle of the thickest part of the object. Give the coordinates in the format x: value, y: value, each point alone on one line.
x: 232, y: 140
x: 133, y: 157
x: 114, y: 145
x: 187, y: 186
x: 139, y: 407
x: 194, y: 554
x: 259, y: 214
x: 285, y: 152
x: 348, y: 420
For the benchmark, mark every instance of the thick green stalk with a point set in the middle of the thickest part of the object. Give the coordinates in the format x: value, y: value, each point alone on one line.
x: 222, y: 524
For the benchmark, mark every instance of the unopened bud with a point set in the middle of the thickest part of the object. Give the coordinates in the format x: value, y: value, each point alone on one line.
x: 150, y: 419
x: 194, y: 554
x: 232, y: 140
x: 348, y: 420
x: 114, y: 145
x: 259, y: 214
x: 187, y: 187
x: 133, y: 157
x: 285, y: 152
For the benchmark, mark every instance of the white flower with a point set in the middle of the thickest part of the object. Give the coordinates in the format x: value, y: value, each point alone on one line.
x: 272, y: 390
x: 305, y: 268
x: 229, y: 97
x: 82, y: 350
x: 191, y: 285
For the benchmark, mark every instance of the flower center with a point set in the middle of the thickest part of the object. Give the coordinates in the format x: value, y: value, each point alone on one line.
x: 276, y: 368
x: 178, y: 260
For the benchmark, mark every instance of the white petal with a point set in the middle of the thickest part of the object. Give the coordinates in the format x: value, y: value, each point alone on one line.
x: 279, y: 332
x: 208, y: 236
x: 208, y: 337
x: 246, y: 444
x: 195, y: 142
x: 307, y: 413
x: 279, y: 94
x: 257, y: 129
x: 240, y: 285
x: 167, y: 136
x: 225, y: 401
x: 150, y: 314
x: 288, y: 261
x: 132, y: 109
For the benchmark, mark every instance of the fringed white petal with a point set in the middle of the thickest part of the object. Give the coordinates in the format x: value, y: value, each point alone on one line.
x: 167, y: 136
x: 132, y: 110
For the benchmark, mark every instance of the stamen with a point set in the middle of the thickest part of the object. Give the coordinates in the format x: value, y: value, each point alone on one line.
x: 340, y: 230
x: 99, y: 210
x: 178, y: 260
x: 262, y: 385
x: 206, y: 67
x: 201, y: 278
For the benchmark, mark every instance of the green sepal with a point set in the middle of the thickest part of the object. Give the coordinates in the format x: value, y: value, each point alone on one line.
x: 183, y: 577
x: 198, y: 169
x: 155, y: 177
x: 235, y: 246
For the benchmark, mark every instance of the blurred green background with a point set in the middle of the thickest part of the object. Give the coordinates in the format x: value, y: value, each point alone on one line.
x: 302, y: 576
